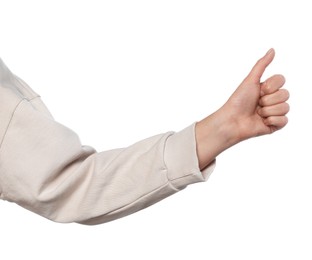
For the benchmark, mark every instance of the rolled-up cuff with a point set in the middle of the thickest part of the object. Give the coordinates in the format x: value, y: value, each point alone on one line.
x: 182, y: 161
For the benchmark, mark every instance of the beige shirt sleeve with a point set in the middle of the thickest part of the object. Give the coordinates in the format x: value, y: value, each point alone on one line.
x: 44, y: 167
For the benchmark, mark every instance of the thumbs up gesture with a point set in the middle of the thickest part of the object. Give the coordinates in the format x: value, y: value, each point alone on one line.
x: 259, y: 108
x: 255, y: 108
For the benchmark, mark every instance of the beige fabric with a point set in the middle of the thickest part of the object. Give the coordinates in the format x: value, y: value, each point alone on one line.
x: 44, y: 168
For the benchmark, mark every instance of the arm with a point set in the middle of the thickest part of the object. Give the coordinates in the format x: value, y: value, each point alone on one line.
x: 44, y: 167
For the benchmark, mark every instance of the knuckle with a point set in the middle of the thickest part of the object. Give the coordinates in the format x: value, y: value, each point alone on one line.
x: 282, y: 78
x: 279, y: 79
x: 284, y: 108
x: 285, y: 93
x: 283, y: 121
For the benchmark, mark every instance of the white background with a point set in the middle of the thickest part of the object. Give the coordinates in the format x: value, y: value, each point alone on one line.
x: 119, y: 71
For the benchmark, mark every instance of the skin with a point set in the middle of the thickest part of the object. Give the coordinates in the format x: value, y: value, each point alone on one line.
x: 255, y: 108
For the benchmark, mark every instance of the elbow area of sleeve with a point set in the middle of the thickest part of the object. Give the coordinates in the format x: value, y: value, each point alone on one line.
x: 181, y: 159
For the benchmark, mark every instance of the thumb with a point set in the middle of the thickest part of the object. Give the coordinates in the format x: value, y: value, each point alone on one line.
x: 257, y: 71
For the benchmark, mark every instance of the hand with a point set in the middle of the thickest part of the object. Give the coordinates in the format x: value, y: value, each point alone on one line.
x: 254, y: 109
x: 257, y: 108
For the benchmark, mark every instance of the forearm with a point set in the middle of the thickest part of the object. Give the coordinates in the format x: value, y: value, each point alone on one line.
x: 45, y: 169
x: 214, y: 134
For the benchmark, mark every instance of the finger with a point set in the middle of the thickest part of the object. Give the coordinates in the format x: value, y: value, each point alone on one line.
x: 276, y: 121
x: 280, y: 96
x: 275, y: 110
x: 272, y: 84
x: 257, y: 71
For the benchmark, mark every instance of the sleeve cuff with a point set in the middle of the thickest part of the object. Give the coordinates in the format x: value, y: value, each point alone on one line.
x: 181, y: 159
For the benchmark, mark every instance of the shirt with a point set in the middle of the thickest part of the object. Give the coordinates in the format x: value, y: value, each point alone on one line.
x: 44, y: 167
